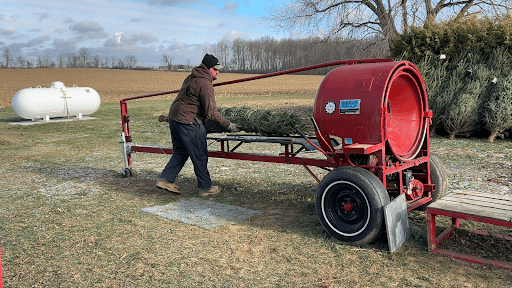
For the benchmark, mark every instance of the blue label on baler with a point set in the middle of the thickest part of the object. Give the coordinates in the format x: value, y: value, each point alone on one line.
x: 351, y: 106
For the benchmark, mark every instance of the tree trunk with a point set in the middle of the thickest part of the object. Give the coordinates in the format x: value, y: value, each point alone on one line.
x: 492, y: 137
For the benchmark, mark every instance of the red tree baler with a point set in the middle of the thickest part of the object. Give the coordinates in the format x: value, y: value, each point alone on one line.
x: 378, y: 109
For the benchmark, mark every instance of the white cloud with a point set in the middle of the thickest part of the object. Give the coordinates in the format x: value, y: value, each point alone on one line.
x: 89, y: 29
x: 8, y: 30
x: 230, y: 6
x: 61, y: 44
x: 44, y: 16
x: 29, y: 44
x: 121, y: 39
x: 232, y: 35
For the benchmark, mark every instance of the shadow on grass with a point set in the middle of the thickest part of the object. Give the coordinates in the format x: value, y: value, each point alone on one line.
x: 285, y: 208
x: 12, y: 119
x: 294, y: 214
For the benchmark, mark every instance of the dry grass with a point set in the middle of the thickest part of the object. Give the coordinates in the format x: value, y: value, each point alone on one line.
x: 68, y: 219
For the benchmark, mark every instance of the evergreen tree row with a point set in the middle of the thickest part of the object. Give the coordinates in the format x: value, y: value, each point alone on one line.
x: 467, y: 68
x: 455, y: 36
x: 470, y: 94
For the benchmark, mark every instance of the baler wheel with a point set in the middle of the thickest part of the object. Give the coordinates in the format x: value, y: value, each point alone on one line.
x: 350, y: 204
x: 128, y: 172
x: 438, y: 177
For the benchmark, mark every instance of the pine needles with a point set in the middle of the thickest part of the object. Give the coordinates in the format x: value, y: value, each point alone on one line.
x: 262, y: 122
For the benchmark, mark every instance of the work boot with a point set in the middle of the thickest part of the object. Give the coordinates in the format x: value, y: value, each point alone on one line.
x: 208, y: 192
x: 167, y: 185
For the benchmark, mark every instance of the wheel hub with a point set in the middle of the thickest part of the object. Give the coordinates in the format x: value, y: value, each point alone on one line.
x: 348, y: 206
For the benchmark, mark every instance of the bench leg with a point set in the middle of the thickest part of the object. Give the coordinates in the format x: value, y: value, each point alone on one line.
x: 455, y: 222
x: 431, y: 231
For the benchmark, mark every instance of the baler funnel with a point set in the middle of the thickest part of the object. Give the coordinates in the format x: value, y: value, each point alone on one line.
x: 375, y: 103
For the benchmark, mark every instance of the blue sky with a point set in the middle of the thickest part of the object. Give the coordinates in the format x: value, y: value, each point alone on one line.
x: 144, y: 28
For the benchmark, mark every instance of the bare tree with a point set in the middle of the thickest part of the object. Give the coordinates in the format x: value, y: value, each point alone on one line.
x: 222, y: 51
x: 167, y: 61
x: 7, y: 56
x: 130, y: 61
x: 105, y: 63
x: 21, y: 62
x: 238, y: 50
x: 61, y: 59
x: 71, y: 60
x: 83, y: 57
x: 95, y: 61
x: 39, y: 62
x: 117, y: 63
x: 350, y: 18
x: 47, y: 62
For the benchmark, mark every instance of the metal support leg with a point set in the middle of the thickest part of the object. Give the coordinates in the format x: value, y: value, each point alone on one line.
x: 431, y: 231
x: 127, y: 170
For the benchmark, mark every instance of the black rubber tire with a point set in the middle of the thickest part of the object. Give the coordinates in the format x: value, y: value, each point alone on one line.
x: 364, y: 223
x: 438, y: 176
x: 128, y: 172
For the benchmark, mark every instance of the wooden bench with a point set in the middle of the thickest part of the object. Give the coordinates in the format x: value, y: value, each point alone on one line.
x: 460, y: 204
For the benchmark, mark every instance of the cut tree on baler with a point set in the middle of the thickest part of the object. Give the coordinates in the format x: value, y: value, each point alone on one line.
x: 378, y: 110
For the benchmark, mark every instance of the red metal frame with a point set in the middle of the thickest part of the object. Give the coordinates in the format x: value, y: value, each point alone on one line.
x: 433, y: 241
x: 124, y: 104
x: 334, y: 158
x: 284, y: 158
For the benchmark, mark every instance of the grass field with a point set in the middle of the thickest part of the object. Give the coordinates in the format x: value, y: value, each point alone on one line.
x: 69, y: 219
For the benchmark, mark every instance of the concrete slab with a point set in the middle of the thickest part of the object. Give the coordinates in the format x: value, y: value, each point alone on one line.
x: 203, y: 213
x: 52, y: 120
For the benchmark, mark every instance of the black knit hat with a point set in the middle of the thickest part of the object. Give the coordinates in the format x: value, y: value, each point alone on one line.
x: 211, y: 61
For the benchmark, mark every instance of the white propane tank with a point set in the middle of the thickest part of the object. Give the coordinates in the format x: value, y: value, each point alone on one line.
x: 56, y: 101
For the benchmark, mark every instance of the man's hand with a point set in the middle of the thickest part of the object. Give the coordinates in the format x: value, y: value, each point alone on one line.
x: 162, y: 118
x: 234, y: 127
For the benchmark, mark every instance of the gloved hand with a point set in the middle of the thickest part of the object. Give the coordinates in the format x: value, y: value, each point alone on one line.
x: 234, y: 127
x: 162, y: 118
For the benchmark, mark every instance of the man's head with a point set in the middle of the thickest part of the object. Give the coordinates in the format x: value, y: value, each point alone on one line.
x: 211, y: 61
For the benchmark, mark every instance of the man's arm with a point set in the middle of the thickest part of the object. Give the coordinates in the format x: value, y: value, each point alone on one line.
x: 207, y: 98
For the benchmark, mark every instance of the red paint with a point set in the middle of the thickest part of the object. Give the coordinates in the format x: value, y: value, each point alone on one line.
x: 392, y: 106
x: 348, y: 206
x: 433, y: 241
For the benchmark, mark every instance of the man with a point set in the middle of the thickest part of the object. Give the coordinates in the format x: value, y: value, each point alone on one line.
x: 194, y: 104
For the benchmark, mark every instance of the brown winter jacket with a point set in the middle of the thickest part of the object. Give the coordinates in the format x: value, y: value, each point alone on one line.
x: 196, y: 99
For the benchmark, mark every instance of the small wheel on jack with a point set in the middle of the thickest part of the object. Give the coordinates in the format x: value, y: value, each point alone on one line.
x: 350, y: 205
x: 128, y: 172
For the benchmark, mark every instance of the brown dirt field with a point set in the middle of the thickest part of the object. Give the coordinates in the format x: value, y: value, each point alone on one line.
x: 114, y: 85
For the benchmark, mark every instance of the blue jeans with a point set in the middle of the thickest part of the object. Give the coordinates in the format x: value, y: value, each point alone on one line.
x: 188, y: 140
